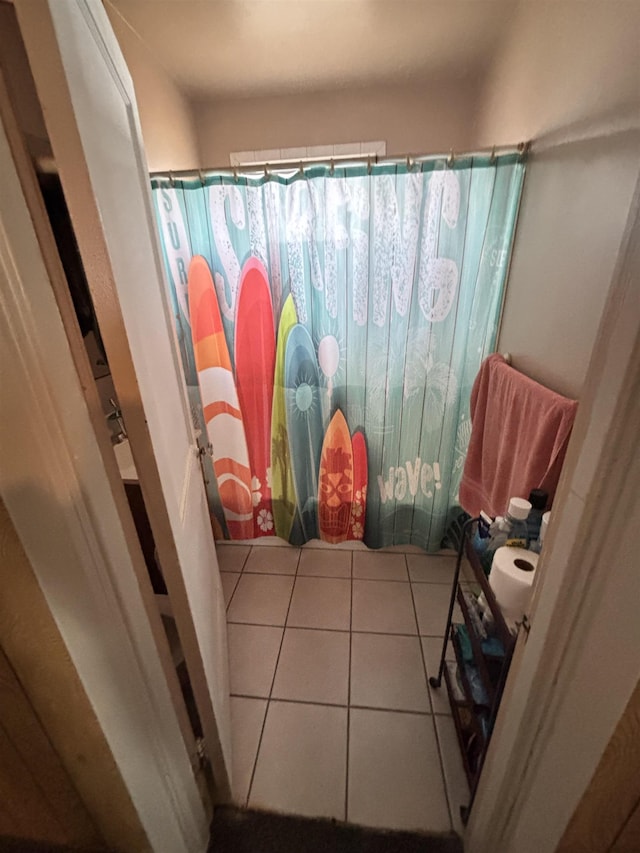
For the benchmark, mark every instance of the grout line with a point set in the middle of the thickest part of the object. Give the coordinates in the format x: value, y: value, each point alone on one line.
x: 261, y: 542
x: 244, y: 562
x: 269, y: 574
x: 435, y: 728
x: 382, y: 580
x: 268, y: 550
x: 346, y: 780
x: 326, y: 577
x: 228, y: 605
x: 315, y: 545
x: 273, y: 680
x: 266, y: 707
x: 450, y: 805
x: 294, y: 627
x: 335, y: 630
x: 347, y: 577
x: 424, y: 661
x: 359, y: 706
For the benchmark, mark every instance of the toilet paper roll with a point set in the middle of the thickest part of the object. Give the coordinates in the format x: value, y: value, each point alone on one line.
x: 511, y: 579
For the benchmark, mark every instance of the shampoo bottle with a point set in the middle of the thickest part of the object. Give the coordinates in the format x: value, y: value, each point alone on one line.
x: 510, y: 530
x: 538, y: 499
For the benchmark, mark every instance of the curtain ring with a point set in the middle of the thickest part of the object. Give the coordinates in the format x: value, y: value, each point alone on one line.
x: 201, y: 178
x: 368, y: 165
x: 523, y: 148
x: 172, y: 180
x: 450, y: 159
x: 266, y: 171
x: 409, y: 163
x: 332, y: 167
x: 301, y: 169
x: 492, y: 158
x: 235, y: 174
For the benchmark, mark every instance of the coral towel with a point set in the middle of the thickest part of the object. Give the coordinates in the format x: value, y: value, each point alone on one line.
x: 519, y: 436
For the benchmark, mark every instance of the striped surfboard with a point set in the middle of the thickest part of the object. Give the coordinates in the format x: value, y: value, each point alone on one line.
x: 221, y: 408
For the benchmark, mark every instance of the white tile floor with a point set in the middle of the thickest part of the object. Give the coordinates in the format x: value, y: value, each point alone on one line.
x: 330, y: 653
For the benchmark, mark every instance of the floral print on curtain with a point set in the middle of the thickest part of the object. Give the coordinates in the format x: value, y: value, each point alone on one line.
x: 354, y: 307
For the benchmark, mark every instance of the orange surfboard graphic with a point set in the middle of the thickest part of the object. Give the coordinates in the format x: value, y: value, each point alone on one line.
x: 335, y: 485
x: 219, y: 397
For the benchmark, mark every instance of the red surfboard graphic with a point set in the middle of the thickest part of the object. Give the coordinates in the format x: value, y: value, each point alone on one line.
x: 359, y: 505
x: 335, y: 485
x: 222, y: 413
x: 255, y: 360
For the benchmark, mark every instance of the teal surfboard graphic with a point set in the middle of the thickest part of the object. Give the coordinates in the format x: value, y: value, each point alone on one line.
x: 304, y: 424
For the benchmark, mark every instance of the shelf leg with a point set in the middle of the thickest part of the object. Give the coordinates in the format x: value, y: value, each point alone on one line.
x: 433, y: 681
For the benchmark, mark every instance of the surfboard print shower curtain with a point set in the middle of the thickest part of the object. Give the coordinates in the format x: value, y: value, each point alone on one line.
x: 331, y: 323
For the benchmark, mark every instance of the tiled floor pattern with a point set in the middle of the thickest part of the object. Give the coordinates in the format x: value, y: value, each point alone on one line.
x: 330, y: 653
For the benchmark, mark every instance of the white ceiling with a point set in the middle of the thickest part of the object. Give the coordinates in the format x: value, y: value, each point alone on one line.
x: 235, y: 48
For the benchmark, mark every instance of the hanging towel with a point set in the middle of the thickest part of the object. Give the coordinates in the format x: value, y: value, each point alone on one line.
x: 519, y: 436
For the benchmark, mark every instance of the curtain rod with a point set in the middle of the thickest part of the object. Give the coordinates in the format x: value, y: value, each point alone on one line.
x: 451, y: 156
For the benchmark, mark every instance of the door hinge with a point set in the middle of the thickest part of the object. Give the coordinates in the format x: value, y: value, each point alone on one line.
x: 201, y: 752
x: 203, y: 450
x: 525, y: 625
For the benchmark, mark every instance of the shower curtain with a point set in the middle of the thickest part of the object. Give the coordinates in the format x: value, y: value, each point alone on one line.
x: 331, y: 322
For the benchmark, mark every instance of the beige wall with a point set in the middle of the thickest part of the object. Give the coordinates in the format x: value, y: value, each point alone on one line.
x: 17, y: 76
x: 562, y: 64
x: 574, y: 209
x: 166, y: 116
x: 413, y: 119
x: 570, y: 73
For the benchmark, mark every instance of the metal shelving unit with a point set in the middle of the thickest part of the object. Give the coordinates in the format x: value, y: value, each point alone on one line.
x: 475, y: 682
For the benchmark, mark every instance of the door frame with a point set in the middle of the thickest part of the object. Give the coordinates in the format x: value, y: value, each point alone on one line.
x: 574, y: 671
x: 61, y: 486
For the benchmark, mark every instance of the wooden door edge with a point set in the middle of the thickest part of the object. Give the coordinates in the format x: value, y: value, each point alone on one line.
x: 33, y: 197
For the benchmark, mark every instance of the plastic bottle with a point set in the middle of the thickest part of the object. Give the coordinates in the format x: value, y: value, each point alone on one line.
x: 510, y: 530
x: 482, y: 535
x: 497, y: 532
x: 538, y: 499
x: 488, y: 622
x: 537, y: 545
